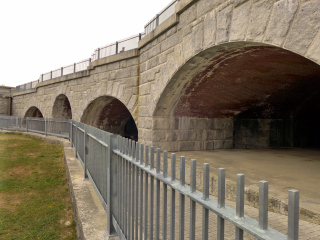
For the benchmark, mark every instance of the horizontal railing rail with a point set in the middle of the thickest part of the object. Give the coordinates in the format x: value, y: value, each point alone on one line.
x: 132, y: 181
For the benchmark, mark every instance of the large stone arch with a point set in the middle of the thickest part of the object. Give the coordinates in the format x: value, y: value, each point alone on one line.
x: 110, y: 114
x: 240, y: 95
x: 61, y: 107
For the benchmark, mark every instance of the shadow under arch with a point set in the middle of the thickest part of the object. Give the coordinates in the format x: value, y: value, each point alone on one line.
x: 243, y: 95
x: 62, y: 108
x: 32, y: 112
x: 110, y: 114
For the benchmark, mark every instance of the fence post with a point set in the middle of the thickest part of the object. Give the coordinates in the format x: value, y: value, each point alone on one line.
x: 84, y: 151
x: 75, y: 138
x: 112, y: 183
x: 293, y: 215
x: 45, y: 126
x: 27, y: 124
x: 70, y: 132
x: 16, y: 123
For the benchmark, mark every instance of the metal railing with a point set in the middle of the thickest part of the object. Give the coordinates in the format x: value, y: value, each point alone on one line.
x: 27, y: 86
x: 161, y: 17
x: 132, y: 180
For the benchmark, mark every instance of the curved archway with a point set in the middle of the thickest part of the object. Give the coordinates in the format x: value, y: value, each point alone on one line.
x: 62, y: 108
x: 244, y: 95
x: 111, y: 115
x: 32, y: 112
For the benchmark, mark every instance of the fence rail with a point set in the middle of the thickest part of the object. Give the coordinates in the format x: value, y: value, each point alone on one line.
x: 132, y: 181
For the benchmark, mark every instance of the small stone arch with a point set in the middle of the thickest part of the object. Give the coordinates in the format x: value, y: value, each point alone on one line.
x: 62, y: 108
x: 110, y: 114
x: 32, y: 112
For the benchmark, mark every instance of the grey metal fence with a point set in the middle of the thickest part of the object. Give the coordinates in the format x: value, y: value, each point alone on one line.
x: 10, y: 122
x: 161, y: 17
x: 133, y: 180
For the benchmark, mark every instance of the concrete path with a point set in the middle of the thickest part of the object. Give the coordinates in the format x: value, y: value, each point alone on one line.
x: 284, y: 169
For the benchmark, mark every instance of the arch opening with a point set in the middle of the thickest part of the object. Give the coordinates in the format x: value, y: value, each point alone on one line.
x: 32, y: 112
x: 241, y: 95
x: 111, y: 115
x: 62, y: 108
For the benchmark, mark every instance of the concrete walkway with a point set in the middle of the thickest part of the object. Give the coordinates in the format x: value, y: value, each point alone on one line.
x: 284, y: 169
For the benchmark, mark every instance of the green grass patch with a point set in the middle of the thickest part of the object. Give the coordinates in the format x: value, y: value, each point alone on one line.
x: 34, y: 194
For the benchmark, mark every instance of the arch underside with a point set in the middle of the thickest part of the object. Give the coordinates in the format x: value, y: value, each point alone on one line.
x: 110, y: 114
x: 256, y: 95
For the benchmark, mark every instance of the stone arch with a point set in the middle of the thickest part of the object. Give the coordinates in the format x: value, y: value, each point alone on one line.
x: 110, y: 114
x: 32, y: 112
x: 241, y: 95
x: 62, y: 108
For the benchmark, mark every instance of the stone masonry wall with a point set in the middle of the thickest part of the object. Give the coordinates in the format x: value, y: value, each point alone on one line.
x: 199, y: 25
x: 117, y: 79
x: 5, y: 92
x: 185, y: 133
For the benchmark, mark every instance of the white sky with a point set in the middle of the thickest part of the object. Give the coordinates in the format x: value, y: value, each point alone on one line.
x: 37, y: 36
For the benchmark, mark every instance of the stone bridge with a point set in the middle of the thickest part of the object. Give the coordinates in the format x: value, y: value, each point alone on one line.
x: 216, y: 74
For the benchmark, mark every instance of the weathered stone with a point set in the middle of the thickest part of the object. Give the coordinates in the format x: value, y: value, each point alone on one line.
x: 209, y: 28
x: 238, y: 3
x: 224, y: 18
x: 188, y: 16
x: 314, y: 50
x: 260, y: 15
x: 240, y: 22
x: 170, y: 42
x: 304, y: 28
x: 280, y: 21
x: 198, y: 38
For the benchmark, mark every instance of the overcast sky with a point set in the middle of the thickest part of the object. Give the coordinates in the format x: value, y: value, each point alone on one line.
x: 38, y: 36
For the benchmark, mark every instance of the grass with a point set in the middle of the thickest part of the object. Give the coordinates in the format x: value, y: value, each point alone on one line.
x: 34, y: 194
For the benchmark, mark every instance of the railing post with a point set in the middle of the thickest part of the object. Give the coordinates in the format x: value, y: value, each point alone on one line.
x: 98, y: 53
x: 157, y: 20
x: 293, y: 215
x: 50, y: 74
x: 75, y: 139
x: 45, y: 126
x: 74, y: 68
x: 117, y: 44
x: 84, y: 151
x: 61, y: 71
x: 17, y: 123
x: 70, y: 133
x: 112, y: 184
x: 41, y: 77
